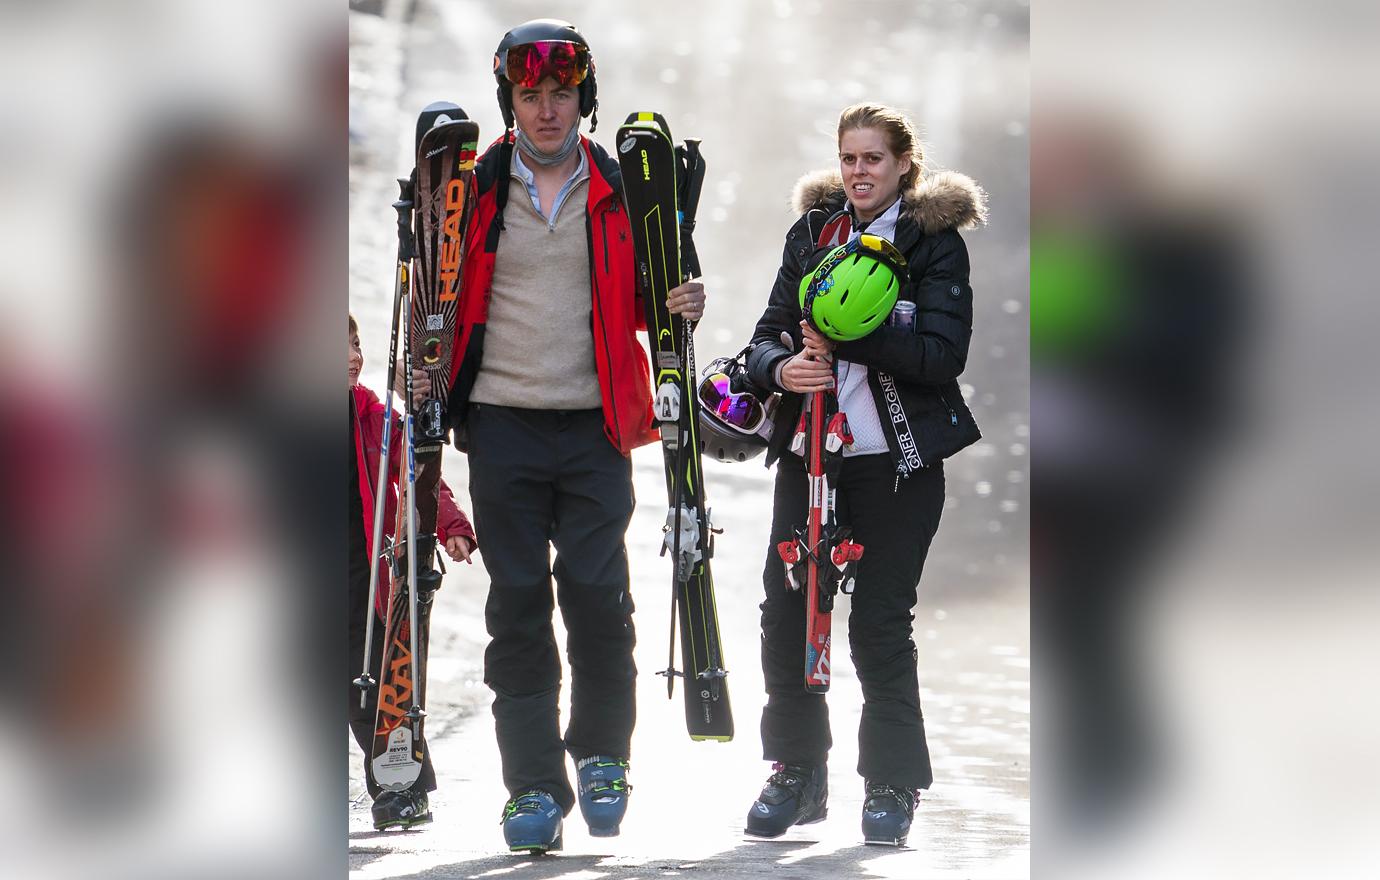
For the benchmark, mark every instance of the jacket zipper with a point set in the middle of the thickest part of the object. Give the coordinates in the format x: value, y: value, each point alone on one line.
x: 953, y: 416
x: 603, y: 328
x: 604, y: 225
x: 902, y: 472
x: 362, y: 451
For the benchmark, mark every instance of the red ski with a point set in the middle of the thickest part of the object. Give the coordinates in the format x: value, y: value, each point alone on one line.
x: 822, y: 558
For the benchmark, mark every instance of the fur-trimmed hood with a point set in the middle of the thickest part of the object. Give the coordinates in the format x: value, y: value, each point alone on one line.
x: 944, y: 200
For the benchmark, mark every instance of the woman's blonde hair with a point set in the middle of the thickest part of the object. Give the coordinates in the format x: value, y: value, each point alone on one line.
x: 354, y: 326
x: 896, y: 128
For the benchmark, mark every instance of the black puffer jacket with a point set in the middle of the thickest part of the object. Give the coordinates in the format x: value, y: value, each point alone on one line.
x: 913, y: 375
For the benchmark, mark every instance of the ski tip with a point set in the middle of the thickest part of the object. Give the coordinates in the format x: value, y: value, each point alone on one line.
x: 435, y: 114
x: 644, y: 119
x: 449, y: 107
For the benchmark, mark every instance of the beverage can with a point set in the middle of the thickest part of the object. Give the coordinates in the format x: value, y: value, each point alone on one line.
x: 903, y: 315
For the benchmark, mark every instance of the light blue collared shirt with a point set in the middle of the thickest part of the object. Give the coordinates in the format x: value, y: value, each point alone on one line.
x: 524, y: 174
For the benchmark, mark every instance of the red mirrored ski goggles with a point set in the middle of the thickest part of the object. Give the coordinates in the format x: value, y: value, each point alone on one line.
x: 528, y: 64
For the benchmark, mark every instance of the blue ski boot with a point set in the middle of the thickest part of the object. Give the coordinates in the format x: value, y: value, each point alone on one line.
x: 604, y: 791
x: 887, y: 814
x: 532, y: 823
x: 796, y: 794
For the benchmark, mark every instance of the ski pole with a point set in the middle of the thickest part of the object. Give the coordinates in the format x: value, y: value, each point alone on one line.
x: 415, y: 713
x: 691, y: 178
x: 670, y: 672
x: 401, y: 285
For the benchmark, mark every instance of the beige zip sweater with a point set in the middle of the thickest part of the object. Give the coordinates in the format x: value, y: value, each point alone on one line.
x: 538, y: 343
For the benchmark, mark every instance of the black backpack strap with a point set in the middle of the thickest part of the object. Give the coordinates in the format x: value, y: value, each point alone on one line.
x: 504, y: 177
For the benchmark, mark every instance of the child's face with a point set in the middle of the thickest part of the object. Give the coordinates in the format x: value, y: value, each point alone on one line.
x: 356, y: 359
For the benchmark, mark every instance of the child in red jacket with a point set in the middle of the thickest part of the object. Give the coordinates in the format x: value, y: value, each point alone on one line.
x: 453, y: 532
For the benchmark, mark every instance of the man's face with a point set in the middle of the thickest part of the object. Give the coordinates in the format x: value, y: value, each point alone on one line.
x: 546, y: 113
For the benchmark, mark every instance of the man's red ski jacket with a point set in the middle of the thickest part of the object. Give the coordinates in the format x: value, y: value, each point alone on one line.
x: 618, y: 312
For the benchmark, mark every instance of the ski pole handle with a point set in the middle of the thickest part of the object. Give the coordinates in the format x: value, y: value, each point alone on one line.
x: 691, y: 167
x: 404, y: 206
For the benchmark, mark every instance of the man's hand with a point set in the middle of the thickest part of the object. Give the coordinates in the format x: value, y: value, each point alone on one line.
x: 687, y: 300
x: 421, y: 384
x: 816, y: 344
x: 803, y: 374
x: 459, y: 548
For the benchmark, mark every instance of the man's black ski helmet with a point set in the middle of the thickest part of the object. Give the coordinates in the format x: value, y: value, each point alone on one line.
x: 532, y: 32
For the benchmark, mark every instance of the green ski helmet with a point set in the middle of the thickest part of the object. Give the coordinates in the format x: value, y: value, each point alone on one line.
x: 853, y: 290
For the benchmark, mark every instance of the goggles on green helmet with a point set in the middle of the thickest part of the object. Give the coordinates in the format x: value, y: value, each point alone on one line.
x: 854, y: 288
x: 868, y: 245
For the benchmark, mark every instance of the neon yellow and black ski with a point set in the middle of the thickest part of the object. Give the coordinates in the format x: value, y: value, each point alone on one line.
x: 661, y: 186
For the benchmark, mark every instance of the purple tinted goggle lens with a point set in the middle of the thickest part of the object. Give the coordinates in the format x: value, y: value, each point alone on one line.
x: 739, y: 409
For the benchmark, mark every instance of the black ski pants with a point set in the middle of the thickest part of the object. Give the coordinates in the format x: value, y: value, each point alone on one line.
x: 362, y: 719
x: 540, y: 478
x: 895, y: 524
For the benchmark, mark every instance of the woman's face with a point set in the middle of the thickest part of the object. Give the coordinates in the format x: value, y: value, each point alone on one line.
x: 356, y: 359
x: 871, y: 174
